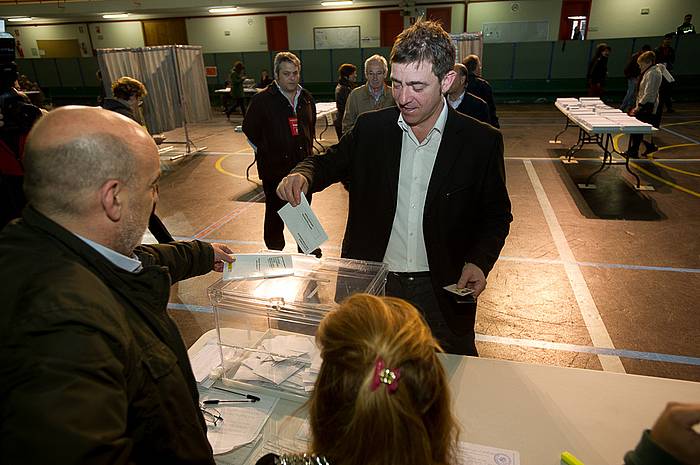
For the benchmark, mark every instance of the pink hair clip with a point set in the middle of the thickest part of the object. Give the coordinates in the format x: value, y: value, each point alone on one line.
x: 386, y: 376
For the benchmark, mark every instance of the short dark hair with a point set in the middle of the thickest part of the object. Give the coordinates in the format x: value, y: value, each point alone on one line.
x: 126, y: 87
x: 646, y: 48
x: 346, y: 69
x: 425, y: 41
x: 472, y: 63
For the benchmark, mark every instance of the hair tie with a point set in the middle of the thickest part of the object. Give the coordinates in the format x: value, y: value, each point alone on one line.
x: 387, y: 376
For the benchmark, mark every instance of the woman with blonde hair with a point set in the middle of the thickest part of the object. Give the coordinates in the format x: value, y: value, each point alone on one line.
x: 381, y: 396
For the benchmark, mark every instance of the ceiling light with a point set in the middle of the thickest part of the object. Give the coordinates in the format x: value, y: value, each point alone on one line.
x: 223, y: 9
x: 340, y: 3
x: 116, y: 16
x: 24, y: 18
x: 577, y: 17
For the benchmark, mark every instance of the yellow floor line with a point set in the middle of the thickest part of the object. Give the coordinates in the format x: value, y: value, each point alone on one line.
x: 220, y: 169
x: 671, y: 168
x: 617, y: 137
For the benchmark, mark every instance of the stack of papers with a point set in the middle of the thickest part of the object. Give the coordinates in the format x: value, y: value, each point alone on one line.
x: 289, y: 362
x: 594, y: 115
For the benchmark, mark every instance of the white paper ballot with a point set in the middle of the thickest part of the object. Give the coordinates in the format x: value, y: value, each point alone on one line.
x: 304, y: 225
x: 476, y: 454
x: 258, y: 266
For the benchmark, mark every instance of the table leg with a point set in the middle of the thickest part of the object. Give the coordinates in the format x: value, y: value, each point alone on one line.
x: 607, y: 159
x: 555, y: 140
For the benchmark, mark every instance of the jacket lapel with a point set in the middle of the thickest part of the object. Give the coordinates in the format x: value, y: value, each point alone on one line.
x: 446, y: 157
x: 392, y: 159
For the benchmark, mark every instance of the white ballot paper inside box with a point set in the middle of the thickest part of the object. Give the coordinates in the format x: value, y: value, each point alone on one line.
x: 257, y: 265
x: 304, y: 225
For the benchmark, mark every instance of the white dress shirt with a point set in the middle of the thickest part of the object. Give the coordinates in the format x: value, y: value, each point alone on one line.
x: 406, y: 249
x: 455, y: 103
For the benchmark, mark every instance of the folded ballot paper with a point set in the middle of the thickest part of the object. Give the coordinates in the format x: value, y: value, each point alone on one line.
x: 304, y: 225
x: 258, y: 265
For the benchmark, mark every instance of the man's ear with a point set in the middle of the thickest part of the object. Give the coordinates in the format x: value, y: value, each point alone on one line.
x: 448, y: 80
x: 111, y: 199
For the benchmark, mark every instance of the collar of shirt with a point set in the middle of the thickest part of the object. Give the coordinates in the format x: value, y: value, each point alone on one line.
x: 375, y: 95
x: 439, y: 125
x: 296, y: 96
x: 455, y: 103
x: 130, y: 264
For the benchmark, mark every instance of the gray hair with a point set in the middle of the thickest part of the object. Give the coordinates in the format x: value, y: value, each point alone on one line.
x: 58, y: 177
x: 425, y: 41
x: 376, y: 58
x: 288, y: 57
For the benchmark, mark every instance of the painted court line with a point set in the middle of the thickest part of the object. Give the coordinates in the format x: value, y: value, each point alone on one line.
x: 682, y: 136
x: 539, y: 344
x: 624, y: 266
x: 589, y: 311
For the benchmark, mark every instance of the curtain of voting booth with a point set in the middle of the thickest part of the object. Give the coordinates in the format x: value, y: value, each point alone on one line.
x: 174, y: 78
x: 468, y: 43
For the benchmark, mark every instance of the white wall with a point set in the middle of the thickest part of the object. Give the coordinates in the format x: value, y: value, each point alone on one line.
x: 125, y: 34
x: 622, y: 18
x: 28, y: 35
x: 247, y: 33
x: 528, y: 10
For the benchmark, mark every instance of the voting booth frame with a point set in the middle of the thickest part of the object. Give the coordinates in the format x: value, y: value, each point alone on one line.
x: 175, y: 80
x: 266, y: 326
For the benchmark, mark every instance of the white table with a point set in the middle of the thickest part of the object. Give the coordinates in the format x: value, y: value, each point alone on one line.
x: 537, y: 410
x: 597, y: 124
x: 325, y: 110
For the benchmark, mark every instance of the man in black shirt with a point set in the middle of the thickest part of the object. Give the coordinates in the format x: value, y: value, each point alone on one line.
x: 686, y: 27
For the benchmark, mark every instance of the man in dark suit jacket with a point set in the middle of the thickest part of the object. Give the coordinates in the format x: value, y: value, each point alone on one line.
x: 464, y: 102
x: 427, y: 188
x: 480, y: 87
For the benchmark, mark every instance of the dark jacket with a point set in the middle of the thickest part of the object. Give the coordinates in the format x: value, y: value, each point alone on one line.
x: 482, y: 89
x: 598, y: 70
x: 267, y: 126
x: 342, y: 91
x: 473, y: 106
x: 118, y: 106
x: 466, y: 216
x: 93, y: 369
x: 666, y: 55
x: 632, y: 70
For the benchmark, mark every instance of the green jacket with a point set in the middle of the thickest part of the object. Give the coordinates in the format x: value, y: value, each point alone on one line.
x: 236, y: 85
x: 92, y: 368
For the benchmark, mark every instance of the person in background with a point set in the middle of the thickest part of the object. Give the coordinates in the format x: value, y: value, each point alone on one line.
x: 427, y: 192
x: 632, y: 73
x: 373, y: 95
x: 577, y: 34
x: 647, y: 102
x: 347, y: 76
x: 381, y: 385
x: 687, y: 27
x: 666, y: 55
x: 281, y: 126
x: 93, y: 369
x: 672, y: 440
x: 480, y: 87
x: 102, y: 95
x: 463, y: 101
x: 237, y: 94
x: 598, y: 71
x: 128, y: 94
x: 265, y: 79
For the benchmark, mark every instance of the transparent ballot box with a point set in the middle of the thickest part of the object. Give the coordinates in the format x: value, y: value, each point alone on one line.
x: 266, y: 326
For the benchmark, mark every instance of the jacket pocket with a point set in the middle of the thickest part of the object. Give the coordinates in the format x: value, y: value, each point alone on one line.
x: 457, y: 191
x: 159, y: 360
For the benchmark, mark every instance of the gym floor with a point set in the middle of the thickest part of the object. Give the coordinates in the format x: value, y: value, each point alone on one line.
x: 601, y: 279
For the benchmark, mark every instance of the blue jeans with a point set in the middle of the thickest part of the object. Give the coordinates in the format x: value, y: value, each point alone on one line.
x: 630, y: 99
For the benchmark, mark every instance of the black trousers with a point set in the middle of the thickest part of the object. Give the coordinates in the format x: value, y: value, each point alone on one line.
x: 451, y: 323
x: 273, y: 230
x: 636, y: 139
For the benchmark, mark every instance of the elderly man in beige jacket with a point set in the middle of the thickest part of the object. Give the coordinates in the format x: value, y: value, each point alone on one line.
x: 374, y: 95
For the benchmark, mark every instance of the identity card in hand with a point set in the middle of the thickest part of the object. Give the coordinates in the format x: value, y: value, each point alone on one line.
x: 459, y: 291
x: 304, y: 225
x: 257, y: 265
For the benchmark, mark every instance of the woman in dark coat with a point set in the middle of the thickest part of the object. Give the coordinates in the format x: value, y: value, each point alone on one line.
x: 347, y: 75
x: 598, y: 71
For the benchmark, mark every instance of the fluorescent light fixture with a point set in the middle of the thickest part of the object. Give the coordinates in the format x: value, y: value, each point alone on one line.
x: 223, y: 9
x: 577, y: 17
x: 24, y: 18
x: 116, y: 16
x: 339, y: 3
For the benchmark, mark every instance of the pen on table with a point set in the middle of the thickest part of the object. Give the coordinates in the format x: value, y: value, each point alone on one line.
x: 218, y: 401
x: 567, y: 458
x: 247, y: 396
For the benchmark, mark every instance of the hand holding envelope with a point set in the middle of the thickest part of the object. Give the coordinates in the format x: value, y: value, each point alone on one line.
x: 304, y: 225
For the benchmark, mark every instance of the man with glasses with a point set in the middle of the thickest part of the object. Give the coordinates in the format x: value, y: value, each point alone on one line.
x: 374, y: 95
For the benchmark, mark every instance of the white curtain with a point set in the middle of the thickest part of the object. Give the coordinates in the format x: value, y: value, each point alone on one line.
x: 468, y: 43
x: 174, y: 78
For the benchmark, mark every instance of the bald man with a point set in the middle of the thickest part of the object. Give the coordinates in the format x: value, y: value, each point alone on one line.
x: 93, y: 369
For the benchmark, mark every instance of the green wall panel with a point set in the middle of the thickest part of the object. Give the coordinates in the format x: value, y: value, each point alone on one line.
x: 687, y: 56
x: 46, y: 73
x: 69, y: 71
x: 620, y: 54
x: 255, y: 62
x: 88, y: 68
x: 316, y: 66
x: 570, y: 59
x: 498, y: 61
x: 346, y: 55
x: 532, y: 60
x: 25, y: 67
